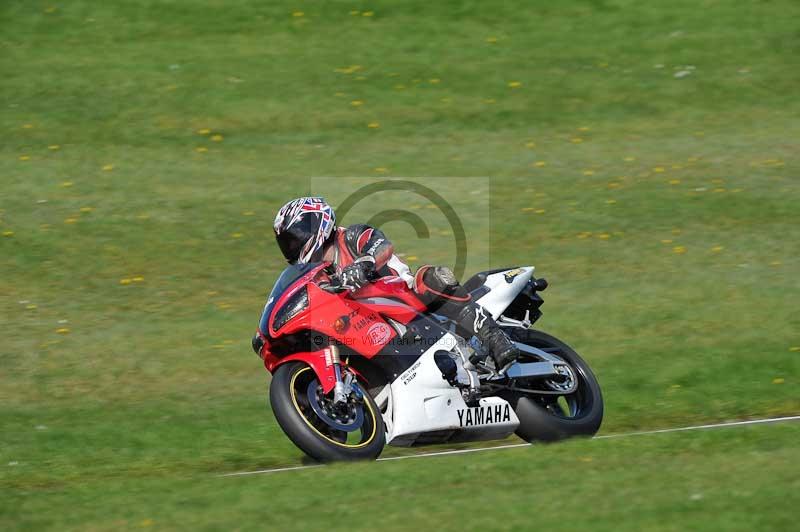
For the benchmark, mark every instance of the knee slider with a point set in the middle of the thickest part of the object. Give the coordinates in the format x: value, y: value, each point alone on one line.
x: 444, y: 276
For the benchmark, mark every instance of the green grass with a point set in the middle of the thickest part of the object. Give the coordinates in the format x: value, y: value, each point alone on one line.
x: 669, y: 233
x: 661, y: 482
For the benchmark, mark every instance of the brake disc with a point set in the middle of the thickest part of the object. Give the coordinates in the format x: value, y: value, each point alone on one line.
x: 349, y: 419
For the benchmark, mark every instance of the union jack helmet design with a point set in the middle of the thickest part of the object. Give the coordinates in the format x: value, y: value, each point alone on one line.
x: 302, y: 227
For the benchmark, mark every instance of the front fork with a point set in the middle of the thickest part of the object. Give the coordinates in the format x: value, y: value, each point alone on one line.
x: 344, y: 385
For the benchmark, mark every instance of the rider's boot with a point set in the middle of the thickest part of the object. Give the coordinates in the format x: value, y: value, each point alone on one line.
x: 475, y: 319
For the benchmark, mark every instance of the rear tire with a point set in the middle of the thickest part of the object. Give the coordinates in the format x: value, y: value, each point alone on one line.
x: 310, y: 432
x: 540, y: 423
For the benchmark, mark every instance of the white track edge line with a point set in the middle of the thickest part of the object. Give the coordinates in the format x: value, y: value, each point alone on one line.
x: 517, y: 445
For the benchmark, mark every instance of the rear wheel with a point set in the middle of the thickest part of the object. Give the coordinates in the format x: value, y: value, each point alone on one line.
x: 325, y: 430
x: 553, y: 416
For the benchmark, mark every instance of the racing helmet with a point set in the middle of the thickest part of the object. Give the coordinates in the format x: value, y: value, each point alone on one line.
x: 302, y: 227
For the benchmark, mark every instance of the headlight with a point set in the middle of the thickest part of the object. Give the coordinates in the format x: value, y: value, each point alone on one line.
x: 291, y: 308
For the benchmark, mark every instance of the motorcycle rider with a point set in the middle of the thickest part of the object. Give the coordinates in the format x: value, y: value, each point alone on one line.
x: 306, y: 231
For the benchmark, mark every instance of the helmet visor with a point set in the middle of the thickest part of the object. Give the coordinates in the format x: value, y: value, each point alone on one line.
x: 292, y: 240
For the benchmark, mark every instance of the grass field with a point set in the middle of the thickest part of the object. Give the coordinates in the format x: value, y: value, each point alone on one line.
x: 643, y: 156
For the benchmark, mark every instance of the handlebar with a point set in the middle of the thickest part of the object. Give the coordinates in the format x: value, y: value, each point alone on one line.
x: 334, y: 284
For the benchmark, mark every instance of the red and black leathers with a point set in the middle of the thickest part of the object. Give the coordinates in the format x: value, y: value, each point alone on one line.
x: 351, y: 248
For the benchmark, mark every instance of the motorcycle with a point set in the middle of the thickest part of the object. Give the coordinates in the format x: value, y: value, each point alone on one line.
x: 353, y: 371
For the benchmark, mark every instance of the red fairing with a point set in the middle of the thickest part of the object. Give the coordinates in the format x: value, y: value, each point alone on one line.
x: 397, y: 291
x: 359, y: 316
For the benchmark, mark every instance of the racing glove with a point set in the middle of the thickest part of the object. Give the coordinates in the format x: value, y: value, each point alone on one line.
x: 358, y: 274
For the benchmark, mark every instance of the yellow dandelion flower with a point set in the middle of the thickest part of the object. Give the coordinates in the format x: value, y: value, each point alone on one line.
x: 381, y: 170
x: 108, y: 167
x: 540, y: 211
x: 217, y: 138
x: 530, y: 144
x: 137, y: 279
x: 794, y: 349
x: 576, y: 140
x: 125, y: 281
x: 62, y: 330
x: 355, y: 12
x: 374, y: 125
x: 367, y: 13
x: 357, y: 103
x: 204, y: 131
x: 201, y: 149
x: 604, y: 236
x: 8, y: 233
x: 613, y: 185
x: 411, y: 257
x: 659, y: 169
x: 584, y: 234
x: 588, y: 172
x: 237, y: 235
x: 527, y: 209
x: 31, y: 307
x: 540, y: 164
x: 515, y: 84
x: 717, y: 249
x: 87, y: 209
x: 399, y: 87
x: 434, y: 81
x: 24, y: 157
x: 611, y: 201
x: 54, y: 147
x: 666, y: 241
x: 27, y: 126
x: 248, y: 213
x: 70, y: 220
x: 298, y: 14
x: 778, y: 380
x: 491, y: 40
x: 674, y: 181
x: 583, y: 128
x: 680, y: 250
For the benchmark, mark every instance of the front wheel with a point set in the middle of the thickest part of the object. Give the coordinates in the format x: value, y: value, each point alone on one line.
x: 324, y: 430
x: 549, y: 416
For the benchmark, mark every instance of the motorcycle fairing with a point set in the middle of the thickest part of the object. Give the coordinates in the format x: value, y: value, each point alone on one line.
x: 504, y: 286
x: 399, y: 355
x: 366, y: 331
x: 422, y: 407
x: 286, y: 285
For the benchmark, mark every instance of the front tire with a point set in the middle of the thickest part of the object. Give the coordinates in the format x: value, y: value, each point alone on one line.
x: 299, y: 406
x: 541, y: 417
